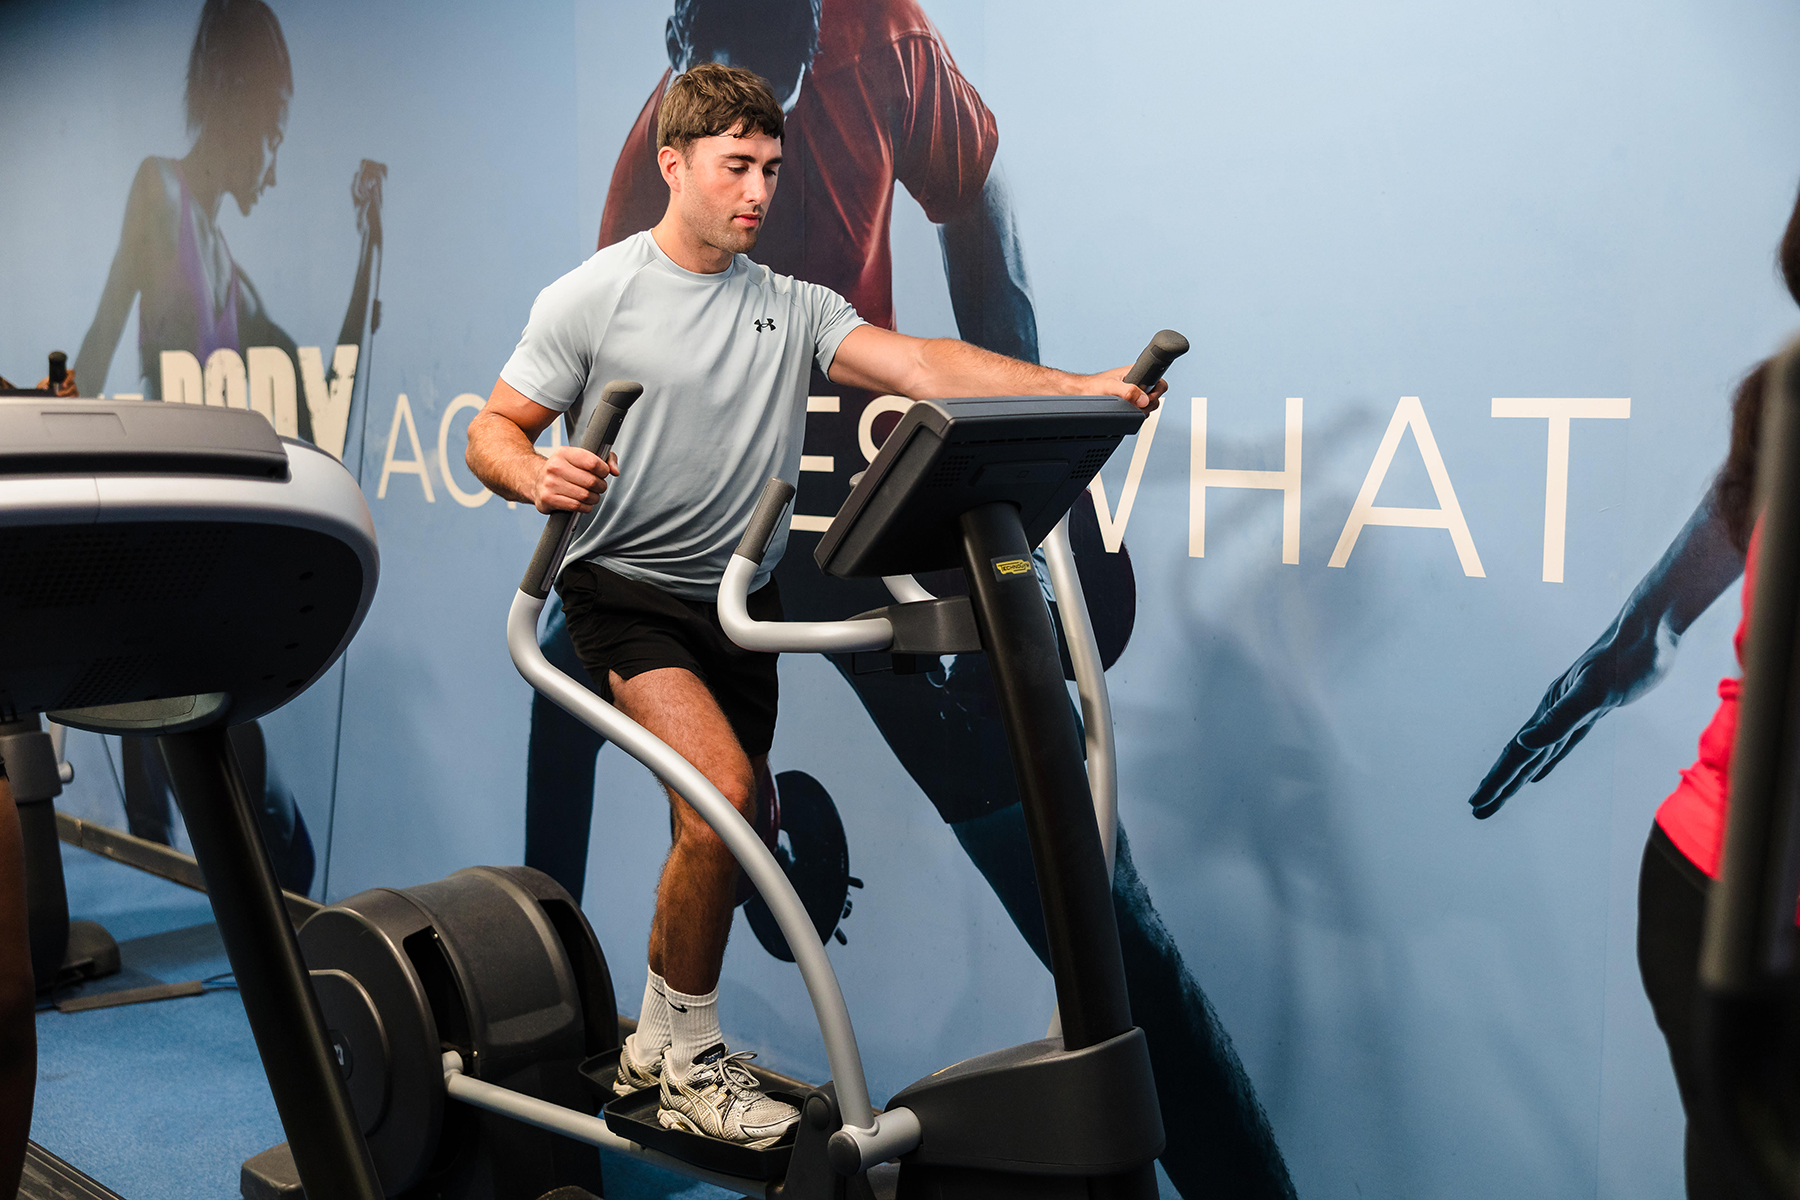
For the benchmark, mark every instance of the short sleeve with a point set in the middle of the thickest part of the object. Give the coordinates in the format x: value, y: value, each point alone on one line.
x: 550, y: 363
x: 944, y: 136
x: 833, y: 317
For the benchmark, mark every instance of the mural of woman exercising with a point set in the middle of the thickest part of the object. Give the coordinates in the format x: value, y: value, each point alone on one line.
x: 193, y: 298
x: 872, y: 99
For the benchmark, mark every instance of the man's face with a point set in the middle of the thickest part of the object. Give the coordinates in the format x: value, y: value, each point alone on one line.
x: 723, y: 186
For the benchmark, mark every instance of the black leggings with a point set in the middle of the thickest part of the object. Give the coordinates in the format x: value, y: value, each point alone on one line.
x: 1671, y: 917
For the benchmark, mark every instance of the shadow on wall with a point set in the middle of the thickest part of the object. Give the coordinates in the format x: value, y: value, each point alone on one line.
x: 1256, y: 794
x: 1261, y: 799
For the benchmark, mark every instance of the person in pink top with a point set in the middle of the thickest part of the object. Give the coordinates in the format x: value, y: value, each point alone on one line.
x: 1682, y: 857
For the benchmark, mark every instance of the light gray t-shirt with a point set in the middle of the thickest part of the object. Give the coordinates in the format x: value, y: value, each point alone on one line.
x: 724, y: 360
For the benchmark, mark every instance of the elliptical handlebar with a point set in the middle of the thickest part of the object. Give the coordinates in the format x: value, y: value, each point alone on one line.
x: 687, y: 780
x: 799, y: 637
x: 597, y: 437
x: 763, y: 520
x: 1164, y: 349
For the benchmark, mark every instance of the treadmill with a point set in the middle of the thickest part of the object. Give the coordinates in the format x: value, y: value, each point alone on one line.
x: 172, y: 570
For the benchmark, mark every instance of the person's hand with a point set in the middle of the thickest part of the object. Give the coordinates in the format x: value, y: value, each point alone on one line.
x: 1627, y: 661
x: 64, y: 390
x: 572, y: 479
x: 365, y: 193
x: 1112, y: 383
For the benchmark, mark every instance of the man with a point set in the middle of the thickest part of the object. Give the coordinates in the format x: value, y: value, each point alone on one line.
x: 875, y: 102
x: 724, y: 348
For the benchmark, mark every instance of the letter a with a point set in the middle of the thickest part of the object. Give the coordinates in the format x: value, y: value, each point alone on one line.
x: 1447, y: 515
x: 393, y: 466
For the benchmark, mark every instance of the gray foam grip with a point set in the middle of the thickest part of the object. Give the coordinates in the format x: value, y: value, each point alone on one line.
x: 769, y: 506
x: 596, y: 437
x: 1164, y: 348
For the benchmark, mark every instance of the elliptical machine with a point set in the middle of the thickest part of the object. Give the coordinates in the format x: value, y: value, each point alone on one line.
x: 970, y: 483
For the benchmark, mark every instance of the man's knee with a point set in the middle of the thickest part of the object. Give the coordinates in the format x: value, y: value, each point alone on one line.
x: 696, y: 834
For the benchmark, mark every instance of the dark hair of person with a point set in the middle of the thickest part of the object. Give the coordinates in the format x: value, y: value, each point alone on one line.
x: 239, y: 57
x: 710, y: 100
x: 699, y: 27
x: 1734, y: 490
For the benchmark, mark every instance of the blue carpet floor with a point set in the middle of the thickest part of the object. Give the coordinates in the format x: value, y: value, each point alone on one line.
x: 164, y: 1101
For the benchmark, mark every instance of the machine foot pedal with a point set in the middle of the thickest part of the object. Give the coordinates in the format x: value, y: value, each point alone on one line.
x: 271, y: 1175
x: 634, y: 1117
x: 48, y: 1177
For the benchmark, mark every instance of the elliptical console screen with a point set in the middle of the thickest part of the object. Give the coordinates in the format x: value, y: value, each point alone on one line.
x: 949, y: 456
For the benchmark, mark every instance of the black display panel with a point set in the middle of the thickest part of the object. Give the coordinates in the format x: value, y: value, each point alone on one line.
x: 949, y: 456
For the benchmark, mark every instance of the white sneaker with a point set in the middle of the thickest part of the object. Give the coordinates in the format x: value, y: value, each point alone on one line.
x: 720, y: 1098
x: 633, y: 1078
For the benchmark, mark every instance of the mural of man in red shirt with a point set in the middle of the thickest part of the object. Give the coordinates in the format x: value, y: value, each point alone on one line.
x: 873, y: 98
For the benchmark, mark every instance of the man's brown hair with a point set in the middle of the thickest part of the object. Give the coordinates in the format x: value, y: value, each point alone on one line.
x: 709, y: 100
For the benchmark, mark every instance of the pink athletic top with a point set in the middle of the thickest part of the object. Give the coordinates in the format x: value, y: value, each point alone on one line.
x: 1694, y: 814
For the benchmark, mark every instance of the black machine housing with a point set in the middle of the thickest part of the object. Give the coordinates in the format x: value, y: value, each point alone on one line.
x: 978, y: 484
x: 496, y: 963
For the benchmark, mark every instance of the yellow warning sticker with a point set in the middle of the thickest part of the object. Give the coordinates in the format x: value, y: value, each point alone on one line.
x: 1005, y: 567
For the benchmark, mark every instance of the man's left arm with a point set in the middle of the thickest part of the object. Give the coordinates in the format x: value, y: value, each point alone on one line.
x: 881, y: 360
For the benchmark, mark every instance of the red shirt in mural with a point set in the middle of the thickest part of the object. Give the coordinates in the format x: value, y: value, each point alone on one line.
x: 882, y: 102
x: 1694, y: 814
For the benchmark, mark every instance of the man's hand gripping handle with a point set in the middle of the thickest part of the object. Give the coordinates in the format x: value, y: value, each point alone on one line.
x: 597, y: 437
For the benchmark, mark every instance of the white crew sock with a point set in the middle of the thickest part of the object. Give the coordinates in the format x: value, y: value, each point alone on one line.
x: 646, y: 1046
x: 694, y: 1028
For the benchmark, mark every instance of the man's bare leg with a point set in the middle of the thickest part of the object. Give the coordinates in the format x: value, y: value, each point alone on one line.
x: 704, y: 1090
x: 694, y: 897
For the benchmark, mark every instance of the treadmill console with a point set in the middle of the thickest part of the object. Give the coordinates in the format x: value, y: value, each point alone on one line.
x: 949, y: 456
x: 137, y: 437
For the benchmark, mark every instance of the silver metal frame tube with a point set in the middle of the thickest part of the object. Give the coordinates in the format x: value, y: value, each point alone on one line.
x: 1090, y: 684
x: 579, y: 1126
x: 897, y: 1131
x: 686, y: 779
x: 799, y: 637
x: 906, y: 589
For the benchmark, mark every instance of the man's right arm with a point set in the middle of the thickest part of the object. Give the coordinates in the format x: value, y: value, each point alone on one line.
x: 985, y: 268
x: 503, y: 454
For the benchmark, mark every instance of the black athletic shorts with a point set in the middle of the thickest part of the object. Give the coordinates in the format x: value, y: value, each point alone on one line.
x: 627, y: 626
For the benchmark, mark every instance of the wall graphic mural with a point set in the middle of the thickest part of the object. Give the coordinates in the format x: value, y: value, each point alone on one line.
x: 207, y: 336
x: 1468, y: 293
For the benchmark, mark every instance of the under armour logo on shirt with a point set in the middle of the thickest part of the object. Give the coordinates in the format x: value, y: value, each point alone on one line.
x: 763, y: 326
